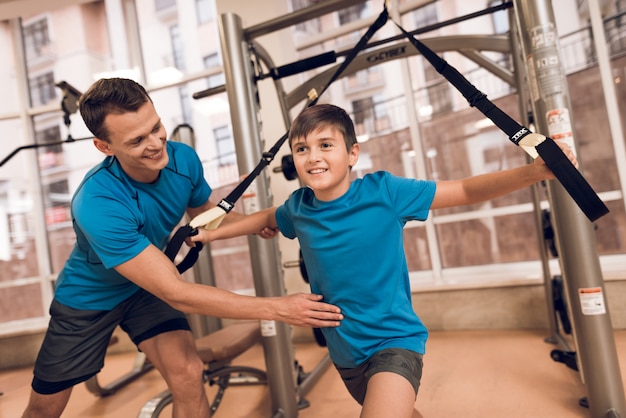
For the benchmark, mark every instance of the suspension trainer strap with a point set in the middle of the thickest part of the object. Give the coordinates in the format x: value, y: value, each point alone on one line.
x: 211, y: 218
x: 229, y: 201
x: 177, y: 241
x: 534, y: 144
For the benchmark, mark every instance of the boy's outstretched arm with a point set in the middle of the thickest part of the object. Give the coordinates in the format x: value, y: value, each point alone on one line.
x: 485, y: 187
x: 244, y: 225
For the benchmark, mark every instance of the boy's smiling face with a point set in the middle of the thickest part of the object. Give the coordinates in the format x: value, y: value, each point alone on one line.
x: 323, y: 163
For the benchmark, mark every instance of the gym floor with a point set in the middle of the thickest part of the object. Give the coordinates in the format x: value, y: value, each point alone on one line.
x: 467, y: 374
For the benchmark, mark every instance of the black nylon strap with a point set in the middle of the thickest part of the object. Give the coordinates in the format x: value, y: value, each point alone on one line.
x: 176, y: 242
x: 228, y: 202
x: 572, y: 180
x: 562, y: 168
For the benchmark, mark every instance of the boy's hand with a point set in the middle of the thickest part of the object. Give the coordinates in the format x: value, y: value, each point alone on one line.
x: 208, y: 235
x: 268, y: 232
x: 203, y: 236
x: 569, y: 153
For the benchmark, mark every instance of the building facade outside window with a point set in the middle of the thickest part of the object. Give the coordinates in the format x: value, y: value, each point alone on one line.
x: 459, y: 243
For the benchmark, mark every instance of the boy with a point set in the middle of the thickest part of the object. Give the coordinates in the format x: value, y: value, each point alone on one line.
x: 351, y: 237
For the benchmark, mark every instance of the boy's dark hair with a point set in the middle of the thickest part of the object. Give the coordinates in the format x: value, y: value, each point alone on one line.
x: 320, y: 116
x: 110, y: 95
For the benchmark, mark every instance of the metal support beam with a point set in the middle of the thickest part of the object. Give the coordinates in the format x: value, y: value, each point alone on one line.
x: 203, y: 272
x: 264, y: 254
x: 575, y: 238
x: 298, y: 16
x: 536, y: 189
x: 370, y: 58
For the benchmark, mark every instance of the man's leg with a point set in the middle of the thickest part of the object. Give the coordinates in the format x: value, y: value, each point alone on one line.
x: 46, y: 406
x: 389, y: 395
x: 174, y: 355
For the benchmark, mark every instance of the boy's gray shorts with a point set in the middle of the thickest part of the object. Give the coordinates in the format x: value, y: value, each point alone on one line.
x: 406, y: 363
x: 75, y: 344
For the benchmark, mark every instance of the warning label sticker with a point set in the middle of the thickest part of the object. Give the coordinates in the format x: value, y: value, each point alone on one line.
x: 560, y: 126
x: 591, y: 301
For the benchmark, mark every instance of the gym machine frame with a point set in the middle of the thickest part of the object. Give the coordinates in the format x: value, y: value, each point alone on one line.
x: 265, y: 256
x: 574, y: 235
x: 579, y: 262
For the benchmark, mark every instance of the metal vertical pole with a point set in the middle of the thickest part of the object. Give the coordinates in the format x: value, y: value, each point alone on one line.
x: 575, y: 238
x: 524, y: 100
x: 203, y: 272
x: 265, y: 257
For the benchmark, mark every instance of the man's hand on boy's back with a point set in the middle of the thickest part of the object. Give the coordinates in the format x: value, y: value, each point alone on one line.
x: 307, y: 310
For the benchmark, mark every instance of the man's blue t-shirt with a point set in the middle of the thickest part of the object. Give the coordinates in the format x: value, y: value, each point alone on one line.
x: 115, y: 218
x: 353, y: 250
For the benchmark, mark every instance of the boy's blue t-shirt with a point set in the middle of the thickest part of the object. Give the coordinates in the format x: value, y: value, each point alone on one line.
x: 353, y: 250
x: 115, y: 218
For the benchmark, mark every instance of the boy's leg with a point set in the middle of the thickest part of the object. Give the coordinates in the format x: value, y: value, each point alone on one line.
x: 386, y: 384
x: 174, y: 355
x: 46, y: 406
x: 389, y: 395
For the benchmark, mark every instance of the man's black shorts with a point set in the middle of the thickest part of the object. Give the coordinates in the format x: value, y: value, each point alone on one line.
x: 75, y: 344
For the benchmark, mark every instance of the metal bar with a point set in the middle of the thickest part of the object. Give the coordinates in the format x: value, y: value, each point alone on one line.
x: 357, y: 25
x: 264, y: 254
x: 203, y: 272
x: 523, y: 99
x: 315, y: 375
x: 296, y: 17
x: 554, y: 336
x: 575, y: 239
x: 266, y: 59
x: 490, y: 65
x: 499, y: 43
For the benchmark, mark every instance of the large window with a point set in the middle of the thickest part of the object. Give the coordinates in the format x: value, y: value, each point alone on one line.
x: 36, y: 38
x: 211, y: 61
x: 352, y: 13
x: 205, y: 10
x: 225, y: 146
x: 439, y: 142
x: 42, y: 89
x: 178, y: 51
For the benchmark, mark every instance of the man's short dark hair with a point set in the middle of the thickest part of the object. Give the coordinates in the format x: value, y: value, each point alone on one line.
x: 110, y: 95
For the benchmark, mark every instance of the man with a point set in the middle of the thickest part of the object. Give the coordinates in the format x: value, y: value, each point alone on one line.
x: 123, y: 213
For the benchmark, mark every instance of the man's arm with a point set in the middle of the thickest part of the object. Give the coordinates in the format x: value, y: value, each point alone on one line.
x: 154, y: 272
x: 485, y: 187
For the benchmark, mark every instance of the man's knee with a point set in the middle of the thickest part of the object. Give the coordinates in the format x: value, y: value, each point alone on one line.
x: 185, y: 372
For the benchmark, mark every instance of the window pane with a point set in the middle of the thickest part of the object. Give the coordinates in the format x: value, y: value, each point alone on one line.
x: 8, y: 87
x: 416, y: 249
x: 204, y: 10
x: 18, y: 254
x: 502, y: 239
x: 20, y: 302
